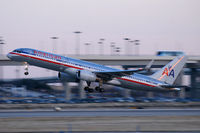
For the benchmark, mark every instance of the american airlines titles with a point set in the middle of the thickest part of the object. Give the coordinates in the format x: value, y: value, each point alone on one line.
x: 47, y: 55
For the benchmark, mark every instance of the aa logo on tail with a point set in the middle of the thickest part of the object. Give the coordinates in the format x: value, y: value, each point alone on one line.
x: 168, y: 71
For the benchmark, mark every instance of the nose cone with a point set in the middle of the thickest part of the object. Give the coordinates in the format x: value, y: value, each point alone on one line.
x: 9, y: 55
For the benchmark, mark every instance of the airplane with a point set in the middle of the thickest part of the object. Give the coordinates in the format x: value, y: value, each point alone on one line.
x: 74, y: 70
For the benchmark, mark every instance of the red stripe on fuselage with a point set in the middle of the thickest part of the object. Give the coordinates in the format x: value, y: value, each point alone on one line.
x: 137, y: 82
x: 47, y: 61
x: 79, y: 68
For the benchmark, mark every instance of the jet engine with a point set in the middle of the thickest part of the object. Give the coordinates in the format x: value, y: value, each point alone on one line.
x: 66, y: 77
x: 86, y: 75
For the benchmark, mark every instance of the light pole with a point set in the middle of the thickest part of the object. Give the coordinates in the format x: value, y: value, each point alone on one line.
x: 126, y: 46
x: 1, y: 45
x: 112, y: 46
x: 117, y: 50
x: 101, y: 50
x: 77, y: 42
x: 54, y: 44
x: 87, y: 48
x: 137, y: 50
x: 131, y: 48
x: 1, y: 53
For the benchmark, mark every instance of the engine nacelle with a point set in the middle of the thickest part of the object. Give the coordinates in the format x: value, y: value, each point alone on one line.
x: 71, y: 71
x: 86, y: 75
x: 66, y: 77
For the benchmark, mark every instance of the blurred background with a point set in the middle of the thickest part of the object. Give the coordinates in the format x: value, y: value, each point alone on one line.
x: 124, y: 34
x: 96, y: 30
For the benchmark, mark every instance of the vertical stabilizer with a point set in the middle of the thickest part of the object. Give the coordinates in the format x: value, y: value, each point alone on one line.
x: 169, y: 72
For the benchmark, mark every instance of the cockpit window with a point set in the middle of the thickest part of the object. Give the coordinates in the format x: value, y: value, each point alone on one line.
x: 17, y: 51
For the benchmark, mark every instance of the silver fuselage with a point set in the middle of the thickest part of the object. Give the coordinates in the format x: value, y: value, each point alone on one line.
x: 65, y: 64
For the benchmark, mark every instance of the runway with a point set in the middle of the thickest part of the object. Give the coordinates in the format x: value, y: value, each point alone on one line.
x: 101, y: 120
x: 101, y: 112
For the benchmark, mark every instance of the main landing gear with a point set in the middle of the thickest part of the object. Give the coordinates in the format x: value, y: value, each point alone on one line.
x: 98, y: 88
x: 26, y: 68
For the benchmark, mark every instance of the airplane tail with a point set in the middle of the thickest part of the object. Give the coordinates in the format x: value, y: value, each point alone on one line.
x: 169, y: 72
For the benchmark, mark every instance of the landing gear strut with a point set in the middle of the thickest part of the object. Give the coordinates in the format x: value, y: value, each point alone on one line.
x: 87, y: 88
x: 26, y: 68
x: 98, y: 88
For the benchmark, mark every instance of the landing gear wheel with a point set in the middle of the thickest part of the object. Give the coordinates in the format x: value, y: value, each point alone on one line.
x: 26, y: 73
x: 101, y: 90
x: 97, y: 88
x: 90, y: 90
x: 86, y: 88
x: 26, y: 68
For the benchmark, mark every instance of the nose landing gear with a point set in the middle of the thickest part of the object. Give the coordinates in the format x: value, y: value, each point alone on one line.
x: 26, y: 73
x: 26, y: 68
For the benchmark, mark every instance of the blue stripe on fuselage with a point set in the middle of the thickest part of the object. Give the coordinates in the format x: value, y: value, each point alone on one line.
x: 145, y: 80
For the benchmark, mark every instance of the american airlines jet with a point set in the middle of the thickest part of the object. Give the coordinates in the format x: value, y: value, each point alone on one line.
x: 74, y: 70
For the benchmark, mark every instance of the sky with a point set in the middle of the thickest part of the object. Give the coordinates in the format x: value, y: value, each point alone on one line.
x: 158, y: 24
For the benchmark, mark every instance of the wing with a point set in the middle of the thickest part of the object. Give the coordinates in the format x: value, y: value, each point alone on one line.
x: 118, y: 73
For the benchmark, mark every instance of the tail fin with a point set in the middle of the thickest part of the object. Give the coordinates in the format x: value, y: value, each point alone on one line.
x: 170, y: 71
